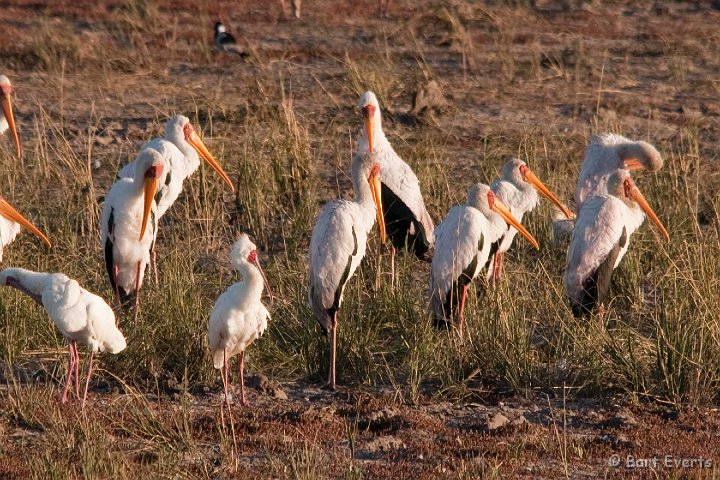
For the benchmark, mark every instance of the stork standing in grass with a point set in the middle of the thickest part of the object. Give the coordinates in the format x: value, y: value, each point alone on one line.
x: 517, y: 188
x: 80, y: 316
x: 606, y: 154
x: 129, y: 225
x: 601, y: 238
x: 462, y: 247
x: 338, y: 246
x: 7, y: 120
x: 407, y: 221
x: 239, y: 317
x: 10, y: 223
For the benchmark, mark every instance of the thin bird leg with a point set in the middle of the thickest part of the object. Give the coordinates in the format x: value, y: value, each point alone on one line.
x: 225, y: 380
x: 71, y: 371
x: 461, y: 316
x: 241, y: 367
x: 333, y: 343
x: 497, y: 268
x: 153, y: 265
x: 392, y: 268
x: 77, y: 370
x: 137, y: 290
x: 117, y: 288
x: 87, y: 381
x: 601, y: 313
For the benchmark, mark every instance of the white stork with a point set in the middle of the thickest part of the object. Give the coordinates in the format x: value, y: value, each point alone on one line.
x: 129, y: 208
x: 10, y: 222
x: 600, y: 239
x: 80, y: 316
x: 462, y: 247
x: 181, y: 148
x: 239, y: 317
x: 7, y: 120
x: 606, y: 154
x: 517, y: 188
x: 407, y: 221
x: 338, y: 245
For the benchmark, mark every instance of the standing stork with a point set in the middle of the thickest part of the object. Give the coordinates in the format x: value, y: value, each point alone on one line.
x: 517, y: 188
x: 129, y: 208
x: 10, y: 222
x: 407, y: 221
x: 462, y: 247
x: 606, y: 154
x: 7, y: 119
x: 239, y: 317
x: 80, y: 316
x: 600, y: 239
x: 338, y: 245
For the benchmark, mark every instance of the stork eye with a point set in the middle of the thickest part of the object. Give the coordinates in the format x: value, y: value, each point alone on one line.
x: 368, y: 111
x: 187, y: 130
x: 491, y: 198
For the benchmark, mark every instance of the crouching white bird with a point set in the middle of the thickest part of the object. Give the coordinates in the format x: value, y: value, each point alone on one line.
x: 7, y: 120
x: 601, y: 238
x: 462, y: 247
x: 10, y: 222
x: 606, y: 154
x: 80, y: 316
x: 239, y: 317
x: 338, y: 245
x: 518, y: 189
x: 129, y: 225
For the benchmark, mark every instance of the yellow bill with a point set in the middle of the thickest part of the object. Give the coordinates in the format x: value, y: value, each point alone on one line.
x: 634, y: 194
x: 7, y: 211
x: 633, y: 164
x: 531, y: 178
x: 205, y: 154
x: 8, y: 113
x: 375, y: 189
x: 150, y: 184
x: 500, y: 208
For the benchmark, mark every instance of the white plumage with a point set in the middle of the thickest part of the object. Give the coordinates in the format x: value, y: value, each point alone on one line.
x: 7, y: 120
x: 10, y: 223
x: 517, y: 188
x: 407, y: 221
x: 128, y: 212
x: 239, y: 317
x: 80, y: 316
x: 462, y: 247
x: 338, y: 245
x: 601, y: 238
x: 181, y: 149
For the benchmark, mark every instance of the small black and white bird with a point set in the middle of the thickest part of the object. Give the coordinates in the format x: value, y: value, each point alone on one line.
x: 225, y: 42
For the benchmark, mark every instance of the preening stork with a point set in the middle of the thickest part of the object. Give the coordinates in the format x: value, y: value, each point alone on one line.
x: 129, y: 225
x: 10, y: 222
x: 80, y: 316
x: 606, y: 154
x: 517, y: 188
x: 462, y: 247
x: 600, y: 239
x: 181, y: 148
x: 7, y: 119
x: 239, y: 317
x: 338, y: 245
x: 407, y: 221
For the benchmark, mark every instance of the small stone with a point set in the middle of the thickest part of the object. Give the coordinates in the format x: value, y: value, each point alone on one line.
x: 497, y: 421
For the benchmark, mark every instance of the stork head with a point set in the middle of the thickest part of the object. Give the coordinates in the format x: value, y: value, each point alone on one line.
x: 180, y: 127
x: 622, y: 186
x: 245, y: 252
x: 366, y: 168
x: 6, y: 91
x: 7, y: 211
x: 638, y: 156
x: 370, y: 110
x: 515, y: 170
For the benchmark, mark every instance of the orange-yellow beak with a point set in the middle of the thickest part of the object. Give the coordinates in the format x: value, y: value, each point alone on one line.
x: 634, y: 194
x: 500, y: 208
x: 375, y: 189
x: 150, y: 184
x: 531, y: 178
x: 205, y: 154
x: 7, y: 211
x: 633, y: 164
x: 368, y: 113
x: 8, y: 113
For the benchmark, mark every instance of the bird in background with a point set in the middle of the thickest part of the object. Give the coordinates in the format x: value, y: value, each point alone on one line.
x: 225, y: 42
x: 7, y: 119
x: 518, y: 189
x: 10, y: 223
x: 239, y: 317
x: 80, y: 316
x: 129, y: 226
x: 601, y: 238
x: 338, y: 245
x: 407, y: 221
x: 462, y: 248
x: 606, y: 154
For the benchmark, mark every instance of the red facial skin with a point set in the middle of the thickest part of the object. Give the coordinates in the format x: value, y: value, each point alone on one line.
x: 491, y: 199
x: 187, y: 130
x: 368, y: 111
x: 154, y: 171
x: 252, y: 257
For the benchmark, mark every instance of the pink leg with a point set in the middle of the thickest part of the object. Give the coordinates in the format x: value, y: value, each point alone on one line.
x: 497, y: 269
x: 87, y: 381
x: 77, y: 370
x: 138, y: 284
x: 225, y: 380
x: 241, y: 365
x: 461, y: 310
x: 333, y: 344
x: 71, y: 371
